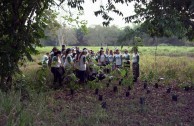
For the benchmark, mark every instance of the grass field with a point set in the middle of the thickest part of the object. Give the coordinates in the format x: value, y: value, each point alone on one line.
x: 34, y: 103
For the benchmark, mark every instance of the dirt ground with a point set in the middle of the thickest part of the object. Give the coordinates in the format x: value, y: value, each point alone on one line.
x: 143, y: 107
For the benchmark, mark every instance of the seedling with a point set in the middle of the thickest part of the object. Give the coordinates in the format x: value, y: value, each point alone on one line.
x: 96, y: 91
x: 100, y: 97
x: 156, y: 85
x: 168, y: 90
x: 103, y: 105
x: 115, y: 89
x: 127, y: 94
x: 174, y: 97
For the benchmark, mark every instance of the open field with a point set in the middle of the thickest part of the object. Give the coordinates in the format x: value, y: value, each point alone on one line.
x: 156, y: 108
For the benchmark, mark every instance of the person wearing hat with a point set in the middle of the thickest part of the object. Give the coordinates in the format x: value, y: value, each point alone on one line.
x: 118, y: 59
x: 82, y: 66
x: 135, y: 61
x: 126, y: 58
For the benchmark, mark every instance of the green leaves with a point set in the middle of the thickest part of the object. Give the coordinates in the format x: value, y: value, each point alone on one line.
x: 164, y: 18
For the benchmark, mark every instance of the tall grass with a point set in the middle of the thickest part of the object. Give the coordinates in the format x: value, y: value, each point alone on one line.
x: 174, y: 64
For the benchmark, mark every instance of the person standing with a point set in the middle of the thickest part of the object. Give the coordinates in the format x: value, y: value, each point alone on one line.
x: 56, y: 69
x: 126, y: 59
x: 82, y: 66
x: 68, y: 64
x: 63, y: 48
x: 102, y: 58
x: 118, y: 59
x: 135, y: 61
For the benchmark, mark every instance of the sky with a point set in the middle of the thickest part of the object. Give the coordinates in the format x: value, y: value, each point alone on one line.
x: 90, y: 7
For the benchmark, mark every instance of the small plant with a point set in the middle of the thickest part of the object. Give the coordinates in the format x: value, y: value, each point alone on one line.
x: 41, y: 79
x: 94, y: 84
x: 72, y: 83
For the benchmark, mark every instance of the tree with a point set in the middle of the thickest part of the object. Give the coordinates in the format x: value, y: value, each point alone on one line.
x: 22, y: 24
x: 165, y: 17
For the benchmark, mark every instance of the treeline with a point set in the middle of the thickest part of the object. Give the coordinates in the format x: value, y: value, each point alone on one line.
x: 98, y: 35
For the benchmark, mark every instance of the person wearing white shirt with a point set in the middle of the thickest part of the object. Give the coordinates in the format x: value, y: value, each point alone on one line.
x: 102, y: 58
x: 45, y: 59
x: 118, y: 59
x: 82, y: 66
x: 56, y: 69
x: 126, y: 58
x: 135, y: 61
x: 68, y: 64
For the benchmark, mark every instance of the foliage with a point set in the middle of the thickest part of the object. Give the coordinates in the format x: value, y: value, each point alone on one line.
x: 22, y: 26
x: 164, y: 18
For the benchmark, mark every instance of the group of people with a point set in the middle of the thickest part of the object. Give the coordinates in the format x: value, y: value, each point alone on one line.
x: 79, y: 61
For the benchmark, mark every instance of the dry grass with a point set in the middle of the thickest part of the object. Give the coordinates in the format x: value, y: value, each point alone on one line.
x: 58, y: 108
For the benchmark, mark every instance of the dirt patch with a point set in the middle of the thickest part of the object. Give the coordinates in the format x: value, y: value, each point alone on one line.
x: 157, y: 107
